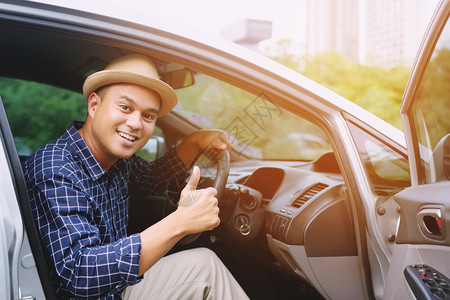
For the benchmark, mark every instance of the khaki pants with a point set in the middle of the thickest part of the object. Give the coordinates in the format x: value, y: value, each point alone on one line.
x: 191, y: 274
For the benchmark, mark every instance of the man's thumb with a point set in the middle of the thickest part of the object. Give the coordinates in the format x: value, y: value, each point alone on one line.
x: 193, y: 181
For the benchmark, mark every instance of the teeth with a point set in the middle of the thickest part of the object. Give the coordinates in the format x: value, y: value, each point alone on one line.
x: 128, y: 137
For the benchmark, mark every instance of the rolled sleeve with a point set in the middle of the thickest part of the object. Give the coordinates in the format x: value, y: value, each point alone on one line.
x: 127, y: 256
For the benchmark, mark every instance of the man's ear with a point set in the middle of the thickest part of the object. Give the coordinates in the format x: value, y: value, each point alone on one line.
x: 93, y: 102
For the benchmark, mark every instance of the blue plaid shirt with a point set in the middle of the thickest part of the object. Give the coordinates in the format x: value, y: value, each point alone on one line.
x: 82, y: 213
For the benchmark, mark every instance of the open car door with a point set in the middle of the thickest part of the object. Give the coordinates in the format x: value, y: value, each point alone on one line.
x: 420, y: 266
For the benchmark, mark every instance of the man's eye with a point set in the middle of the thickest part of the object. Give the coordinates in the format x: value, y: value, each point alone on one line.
x: 125, y: 107
x: 148, y: 117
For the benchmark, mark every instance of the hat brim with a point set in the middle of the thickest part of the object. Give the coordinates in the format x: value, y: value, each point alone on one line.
x: 102, y: 78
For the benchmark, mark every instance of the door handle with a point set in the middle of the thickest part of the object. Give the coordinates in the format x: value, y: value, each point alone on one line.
x: 429, y: 220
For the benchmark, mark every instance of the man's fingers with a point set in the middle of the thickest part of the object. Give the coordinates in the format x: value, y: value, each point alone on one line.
x: 211, y: 191
x: 193, y: 181
x: 188, y: 194
x: 191, y: 197
x: 223, y: 142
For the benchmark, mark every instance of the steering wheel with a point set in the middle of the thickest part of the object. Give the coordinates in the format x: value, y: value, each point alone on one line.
x: 220, y: 180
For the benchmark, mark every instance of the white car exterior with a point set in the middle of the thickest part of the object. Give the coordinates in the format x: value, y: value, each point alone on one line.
x: 375, y: 270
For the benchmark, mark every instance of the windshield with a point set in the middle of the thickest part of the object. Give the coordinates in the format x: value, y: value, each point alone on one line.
x: 257, y: 127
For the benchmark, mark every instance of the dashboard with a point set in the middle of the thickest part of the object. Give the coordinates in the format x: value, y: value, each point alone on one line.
x: 301, y: 209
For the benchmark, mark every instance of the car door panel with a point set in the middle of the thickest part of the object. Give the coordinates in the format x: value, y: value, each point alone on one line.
x: 413, y: 254
x: 425, y: 215
x: 423, y: 235
x: 417, y: 241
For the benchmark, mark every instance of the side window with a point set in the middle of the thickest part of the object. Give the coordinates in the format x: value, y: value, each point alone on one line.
x: 155, y: 147
x: 39, y: 113
x: 431, y: 113
x: 387, y: 167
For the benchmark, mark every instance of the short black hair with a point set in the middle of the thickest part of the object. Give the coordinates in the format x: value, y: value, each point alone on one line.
x: 101, y: 91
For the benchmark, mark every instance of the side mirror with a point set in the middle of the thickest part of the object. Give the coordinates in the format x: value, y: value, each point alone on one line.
x: 178, y: 79
x: 154, y: 149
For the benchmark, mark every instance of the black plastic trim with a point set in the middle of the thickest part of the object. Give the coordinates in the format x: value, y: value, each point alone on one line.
x: 427, y: 283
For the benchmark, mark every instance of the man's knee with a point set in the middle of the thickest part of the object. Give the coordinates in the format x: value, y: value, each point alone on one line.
x: 203, y: 257
x: 205, y: 253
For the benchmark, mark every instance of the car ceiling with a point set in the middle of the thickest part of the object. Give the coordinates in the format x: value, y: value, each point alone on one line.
x: 50, y: 56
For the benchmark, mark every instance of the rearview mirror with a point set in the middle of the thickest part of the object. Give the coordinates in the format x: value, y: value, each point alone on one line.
x: 178, y: 79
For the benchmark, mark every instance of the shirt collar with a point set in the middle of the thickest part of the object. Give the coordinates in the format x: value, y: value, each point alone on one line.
x: 79, y: 145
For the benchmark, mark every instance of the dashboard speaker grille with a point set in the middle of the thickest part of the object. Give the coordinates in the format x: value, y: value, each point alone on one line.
x: 308, y: 194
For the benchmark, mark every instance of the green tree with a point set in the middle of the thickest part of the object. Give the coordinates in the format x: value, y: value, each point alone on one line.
x: 378, y: 90
x: 39, y: 113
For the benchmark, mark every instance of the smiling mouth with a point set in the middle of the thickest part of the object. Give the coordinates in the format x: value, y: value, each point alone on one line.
x: 127, y: 136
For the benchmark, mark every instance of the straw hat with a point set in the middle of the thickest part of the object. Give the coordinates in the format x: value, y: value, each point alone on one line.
x: 137, y: 69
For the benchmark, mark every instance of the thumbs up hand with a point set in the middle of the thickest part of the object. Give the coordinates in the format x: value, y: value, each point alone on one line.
x: 198, y: 207
x: 190, y: 194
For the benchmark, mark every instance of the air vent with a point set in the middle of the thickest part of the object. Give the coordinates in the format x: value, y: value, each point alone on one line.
x: 308, y: 194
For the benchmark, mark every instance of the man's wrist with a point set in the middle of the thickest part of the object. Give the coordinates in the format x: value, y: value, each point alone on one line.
x: 187, y: 150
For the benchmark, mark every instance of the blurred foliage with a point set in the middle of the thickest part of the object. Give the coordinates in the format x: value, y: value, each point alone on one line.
x: 39, y: 113
x: 375, y: 89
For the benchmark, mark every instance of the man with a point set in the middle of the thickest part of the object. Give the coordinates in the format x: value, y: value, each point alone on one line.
x: 79, y: 191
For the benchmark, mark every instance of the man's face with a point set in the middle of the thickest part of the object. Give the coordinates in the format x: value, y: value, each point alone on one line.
x: 122, y: 121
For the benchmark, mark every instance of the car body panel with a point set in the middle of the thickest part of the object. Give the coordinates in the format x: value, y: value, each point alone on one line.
x: 284, y: 87
x: 56, y: 33
x: 416, y: 244
x: 19, y: 271
x: 239, y: 66
x: 7, y: 233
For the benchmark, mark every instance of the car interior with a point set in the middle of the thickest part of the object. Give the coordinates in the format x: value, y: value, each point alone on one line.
x: 285, y: 220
